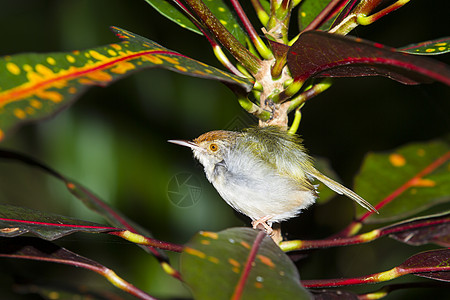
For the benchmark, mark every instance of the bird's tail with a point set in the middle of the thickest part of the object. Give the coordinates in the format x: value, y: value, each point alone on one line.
x: 341, y: 190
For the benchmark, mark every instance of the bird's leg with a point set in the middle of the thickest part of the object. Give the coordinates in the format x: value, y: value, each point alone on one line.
x: 264, y: 223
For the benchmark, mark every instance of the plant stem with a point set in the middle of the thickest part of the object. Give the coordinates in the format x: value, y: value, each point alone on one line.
x: 241, y: 54
x: 260, y: 12
x: 259, y: 44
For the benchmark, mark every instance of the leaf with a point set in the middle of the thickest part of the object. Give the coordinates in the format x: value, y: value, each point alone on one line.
x: 213, y: 262
x: 429, y: 264
x: 434, y: 47
x: 423, y: 230
x: 218, y: 7
x: 35, y: 86
x: 405, y: 181
x: 308, y: 11
x: 321, y: 54
x: 37, y: 249
x: 16, y: 221
x: 334, y: 295
x: 90, y: 200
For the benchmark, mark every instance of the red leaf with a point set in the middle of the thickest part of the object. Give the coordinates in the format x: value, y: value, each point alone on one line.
x: 323, y: 54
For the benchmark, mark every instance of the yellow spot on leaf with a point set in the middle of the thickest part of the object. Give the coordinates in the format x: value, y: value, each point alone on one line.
x: 420, y: 182
x: 210, y: 234
x: 86, y: 81
x: 152, y: 59
x: 2, y: 135
x: 180, y: 68
x: 36, y: 104
x: 246, y: 245
x: 27, y: 68
x: 169, y: 59
x: 236, y: 270
x: 223, y: 22
x: 122, y: 67
x: 70, y: 186
x: 112, y: 52
x: 117, y: 47
x: 259, y: 285
x: 50, y: 95
x: 234, y: 262
x: 397, y: 160
x: 205, y: 242
x: 213, y: 259
x: 99, y: 76
x: 303, y: 14
x: 70, y: 58
x: 441, y: 48
x: 430, y: 50
x: 43, y: 70
x: 221, y: 9
x: 265, y: 260
x: 440, y: 44
x: 72, y: 90
x: 51, y: 61
x: 13, y: 68
x: 97, y: 55
x: 194, y: 252
x: 20, y: 114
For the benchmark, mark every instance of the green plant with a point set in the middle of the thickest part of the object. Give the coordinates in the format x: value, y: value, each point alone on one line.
x: 409, y: 179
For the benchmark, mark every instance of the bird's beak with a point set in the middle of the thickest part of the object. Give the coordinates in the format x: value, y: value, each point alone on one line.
x: 185, y: 143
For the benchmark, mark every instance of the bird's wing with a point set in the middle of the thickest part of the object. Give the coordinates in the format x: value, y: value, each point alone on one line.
x: 341, y: 190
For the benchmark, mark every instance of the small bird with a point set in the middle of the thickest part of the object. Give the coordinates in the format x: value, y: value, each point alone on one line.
x: 262, y: 172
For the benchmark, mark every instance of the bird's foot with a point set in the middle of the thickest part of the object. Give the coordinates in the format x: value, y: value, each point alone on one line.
x: 263, y: 224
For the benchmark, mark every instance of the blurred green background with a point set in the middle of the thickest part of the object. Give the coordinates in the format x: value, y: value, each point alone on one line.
x: 113, y: 140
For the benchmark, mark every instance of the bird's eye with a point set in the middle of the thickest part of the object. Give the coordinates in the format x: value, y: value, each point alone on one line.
x: 213, y: 147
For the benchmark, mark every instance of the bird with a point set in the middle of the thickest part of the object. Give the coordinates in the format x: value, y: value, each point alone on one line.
x: 264, y: 173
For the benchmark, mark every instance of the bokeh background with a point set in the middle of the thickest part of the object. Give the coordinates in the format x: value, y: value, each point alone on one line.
x: 113, y: 140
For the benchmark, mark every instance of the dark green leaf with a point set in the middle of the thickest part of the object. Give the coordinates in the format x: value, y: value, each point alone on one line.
x: 34, y: 86
x: 218, y: 7
x: 212, y: 264
x: 309, y: 9
x: 406, y: 180
x: 89, y: 199
x: 15, y: 221
x: 434, y: 47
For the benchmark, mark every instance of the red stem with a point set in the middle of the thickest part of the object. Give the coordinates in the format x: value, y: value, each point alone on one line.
x: 248, y: 266
x: 372, y: 278
x: 328, y: 12
x: 153, y: 242
x: 245, y: 21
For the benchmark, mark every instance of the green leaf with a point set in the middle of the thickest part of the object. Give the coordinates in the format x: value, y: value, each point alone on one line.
x: 218, y: 7
x: 212, y: 264
x: 172, y: 13
x: 405, y: 181
x: 433, y: 47
x: 308, y: 11
x: 89, y: 199
x: 15, y: 221
x: 35, y: 86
